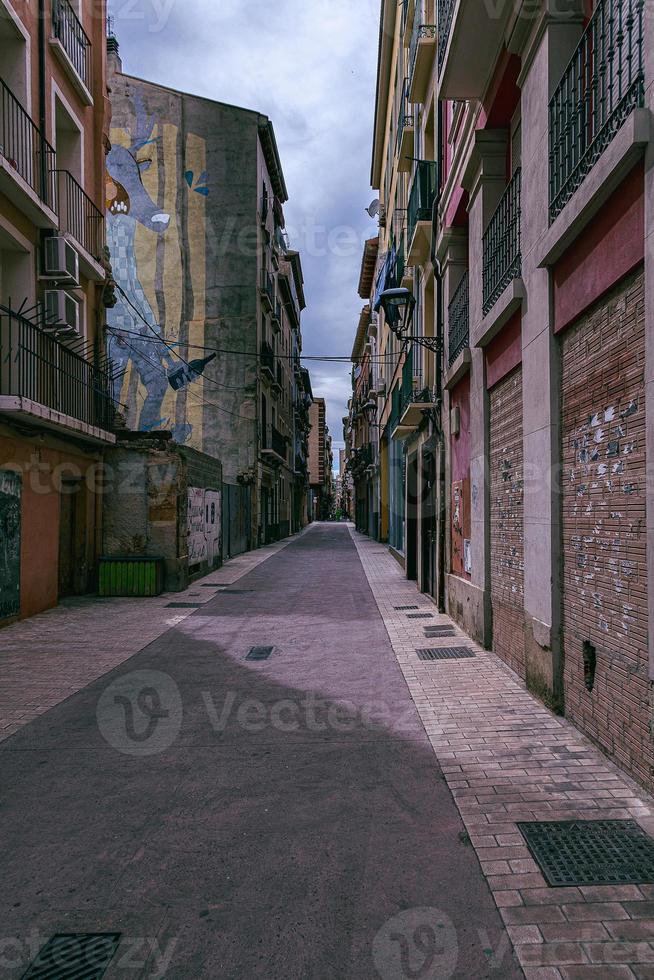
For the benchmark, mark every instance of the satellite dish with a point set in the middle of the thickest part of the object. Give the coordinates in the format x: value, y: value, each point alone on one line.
x: 374, y: 208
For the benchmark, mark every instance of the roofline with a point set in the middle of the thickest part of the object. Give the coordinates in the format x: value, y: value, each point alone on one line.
x: 271, y: 152
x: 362, y: 330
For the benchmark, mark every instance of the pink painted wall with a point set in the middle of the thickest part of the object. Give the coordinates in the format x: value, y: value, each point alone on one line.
x: 608, y: 248
x: 504, y: 352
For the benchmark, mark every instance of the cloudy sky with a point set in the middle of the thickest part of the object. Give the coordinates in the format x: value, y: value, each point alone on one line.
x: 310, y: 66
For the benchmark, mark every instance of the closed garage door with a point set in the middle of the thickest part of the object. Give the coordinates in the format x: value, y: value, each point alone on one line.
x: 507, y: 521
x: 604, y: 533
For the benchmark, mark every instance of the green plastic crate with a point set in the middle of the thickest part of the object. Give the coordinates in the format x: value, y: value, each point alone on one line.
x: 130, y: 576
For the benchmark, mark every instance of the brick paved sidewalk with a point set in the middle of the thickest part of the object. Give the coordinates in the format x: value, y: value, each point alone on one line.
x: 506, y: 758
x: 49, y: 657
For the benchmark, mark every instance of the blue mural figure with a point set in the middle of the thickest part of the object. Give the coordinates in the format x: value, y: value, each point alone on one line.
x: 133, y: 324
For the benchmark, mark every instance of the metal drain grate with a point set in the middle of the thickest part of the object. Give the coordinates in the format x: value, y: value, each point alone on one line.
x: 591, y: 852
x: 236, y: 591
x: 439, y: 631
x: 75, y: 957
x: 420, y: 616
x: 445, y: 653
x: 259, y: 653
x: 184, y: 605
x: 402, y: 608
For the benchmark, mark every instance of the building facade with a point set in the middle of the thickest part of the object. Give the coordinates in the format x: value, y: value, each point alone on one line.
x: 541, y: 227
x: 321, y: 462
x: 206, y: 279
x: 55, y: 408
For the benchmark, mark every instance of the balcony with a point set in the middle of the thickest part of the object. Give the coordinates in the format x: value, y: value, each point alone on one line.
x: 405, y: 132
x: 276, y: 319
x: 267, y: 290
x: 73, y: 48
x: 458, y: 318
x: 421, y: 60
x: 470, y: 40
x: 27, y: 163
x: 81, y: 219
x: 408, y: 12
x: 48, y: 385
x: 415, y: 399
x: 278, y: 381
x: 267, y: 360
x: 419, y: 212
x: 602, y: 84
x: 502, y: 255
x: 274, y: 447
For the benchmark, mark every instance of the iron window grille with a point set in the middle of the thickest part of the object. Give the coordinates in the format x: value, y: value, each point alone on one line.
x: 26, y: 149
x: 36, y: 366
x: 445, y: 18
x: 502, y: 256
x: 458, y: 317
x: 602, y: 84
x: 67, y: 28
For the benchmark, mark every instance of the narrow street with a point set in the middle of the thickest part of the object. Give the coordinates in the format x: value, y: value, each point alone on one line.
x: 290, y: 810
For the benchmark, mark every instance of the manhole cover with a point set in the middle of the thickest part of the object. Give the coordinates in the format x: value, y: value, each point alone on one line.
x: 184, y: 605
x: 420, y: 616
x: 75, y: 957
x: 591, y: 852
x: 445, y: 653
x: 259, y: 653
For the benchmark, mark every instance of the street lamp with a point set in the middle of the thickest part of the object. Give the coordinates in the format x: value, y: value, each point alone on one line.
x: 399, y: 306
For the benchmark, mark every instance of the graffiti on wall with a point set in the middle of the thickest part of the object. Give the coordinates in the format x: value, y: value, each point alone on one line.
x: 10, y: 503
x: 156, y: 220
x: 204, y: 526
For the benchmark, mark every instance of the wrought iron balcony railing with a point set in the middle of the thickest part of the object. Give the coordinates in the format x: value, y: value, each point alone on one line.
x: 445, y: 17
x: 268, y: 288
x: 36, y: 366
x: 405, y: 115
x: 79, y: 216
x: 267, y: 358
x: 26, y: 149
x: 422, y: 195
x: 459, y: 320
x: 277, y: 442
x: 414, y: 392
x: 74, y: 40
x: 602, y: 84
x: 420, y: 33
x: 502, y: 255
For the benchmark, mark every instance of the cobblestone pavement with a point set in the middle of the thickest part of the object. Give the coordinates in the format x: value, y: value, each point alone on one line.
x: 506, y: 759
x: 45, y: 659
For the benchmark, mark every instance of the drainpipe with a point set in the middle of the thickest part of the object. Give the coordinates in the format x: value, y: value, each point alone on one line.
x: 42, y: 98
x: 440, y: 455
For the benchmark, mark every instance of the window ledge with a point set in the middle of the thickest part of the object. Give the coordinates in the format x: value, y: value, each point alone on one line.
x: 71, y: 71
x: 509, y: 302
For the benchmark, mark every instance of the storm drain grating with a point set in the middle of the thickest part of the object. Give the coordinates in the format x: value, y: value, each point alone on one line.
x: 402, y: 608
x: 184, y: 605
x: 591, y: 852
x: 439, y: 631
x: 420, y: 616
x: 259, y: 653
x: 445, y: 653
x: 75, y: 957
x: 236, y: 591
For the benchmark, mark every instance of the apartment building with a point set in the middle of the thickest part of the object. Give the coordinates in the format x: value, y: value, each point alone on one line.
x: 541, y: 246
x: 205, y: 273
x: 321, y: 462
x: 55, y: 406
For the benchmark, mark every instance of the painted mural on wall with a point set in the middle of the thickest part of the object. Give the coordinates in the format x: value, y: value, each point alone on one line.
x: 156, y: 196
x: 10, y: 502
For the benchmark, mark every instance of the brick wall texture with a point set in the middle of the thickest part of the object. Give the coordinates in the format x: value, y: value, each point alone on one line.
x: 507, y: 520
x: 603, y: 523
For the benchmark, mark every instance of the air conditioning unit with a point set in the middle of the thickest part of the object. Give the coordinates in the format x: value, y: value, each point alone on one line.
x: 62, y: 312
x: 60, y: 261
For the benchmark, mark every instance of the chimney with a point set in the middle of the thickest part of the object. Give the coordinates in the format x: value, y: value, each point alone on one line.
x: 114, y: 62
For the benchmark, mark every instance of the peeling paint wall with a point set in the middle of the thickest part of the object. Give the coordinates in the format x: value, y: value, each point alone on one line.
x: 604, y: 529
